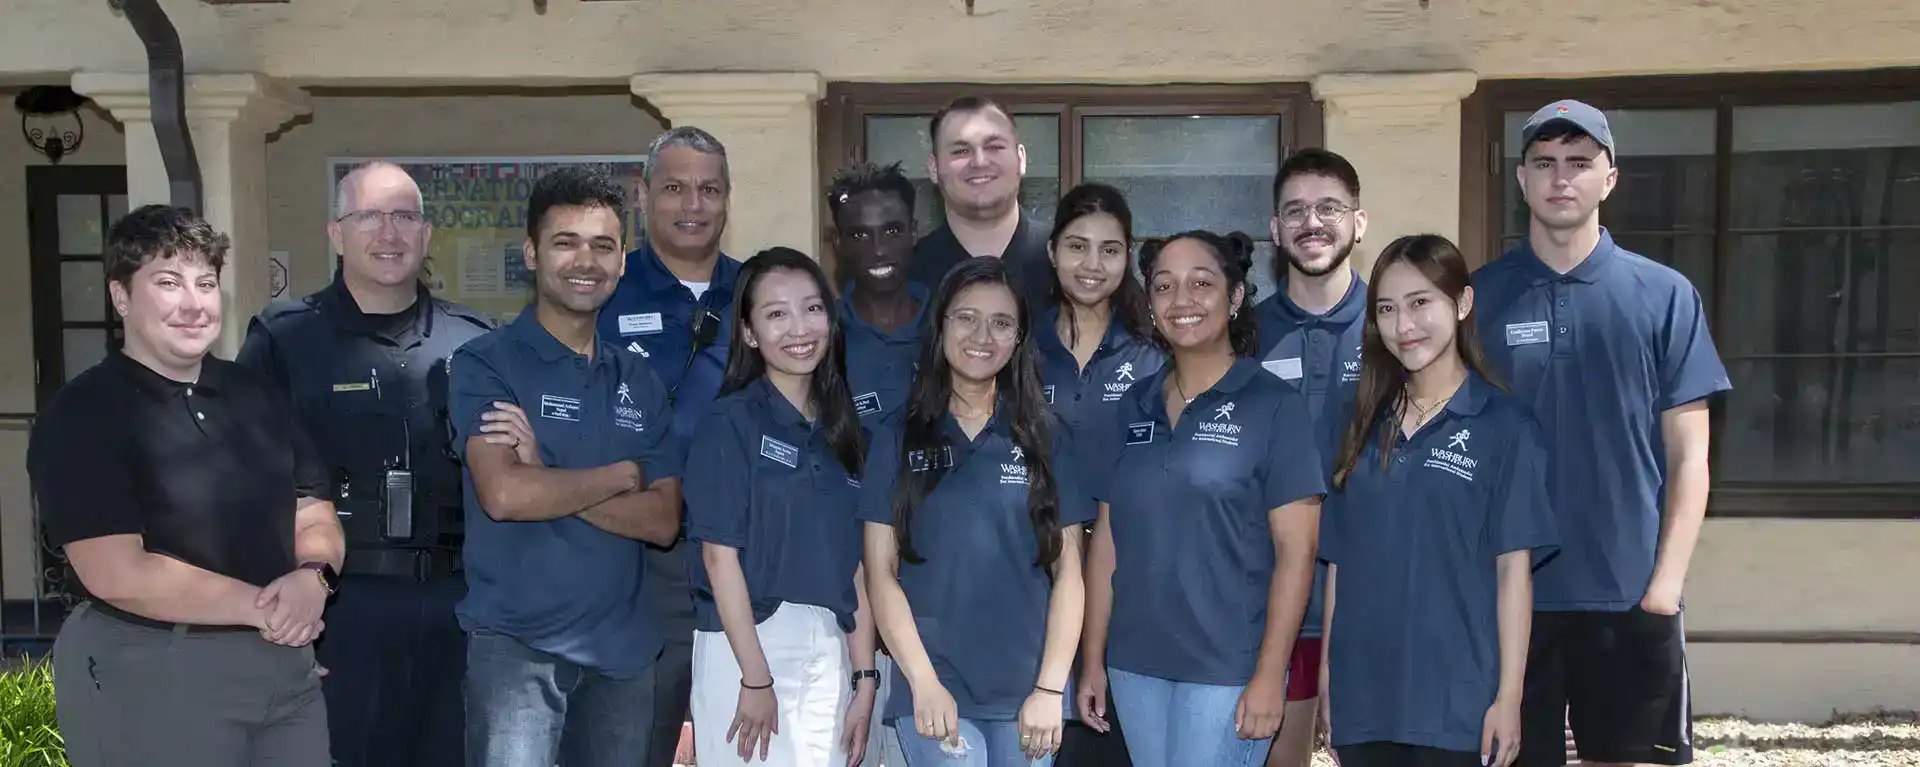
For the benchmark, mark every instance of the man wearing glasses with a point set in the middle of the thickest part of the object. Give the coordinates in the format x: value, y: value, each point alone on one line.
x: 364, y: 362
x: 668, y: 308
x: 1310, y: 337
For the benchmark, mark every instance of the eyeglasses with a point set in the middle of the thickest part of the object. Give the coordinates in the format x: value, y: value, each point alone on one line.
x: 404, y: 221
x: 967, y: 323
x: 1328, y: 211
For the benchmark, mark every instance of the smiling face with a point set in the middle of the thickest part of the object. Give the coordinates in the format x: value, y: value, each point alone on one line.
x: 1191, y: 301
x: 578, y: 257
x: 171, y: 308
x: 1090, y: 258
x: 874, y: 232
x: 788, y: 323
x: 381, y: 236
x: 1416, y: 319
x: 977, y: 161
x: 1317, y: 223
x: 1565, y: 181
x: 686, y: 201
x: 981, y: 328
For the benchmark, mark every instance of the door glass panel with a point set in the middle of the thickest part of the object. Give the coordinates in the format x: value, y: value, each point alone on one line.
x: 82, y: 292
x: 82, y: 347
x: 116, y: 208
x: 903, y: 139
x: 81, y: 232
x: 1191, y: 172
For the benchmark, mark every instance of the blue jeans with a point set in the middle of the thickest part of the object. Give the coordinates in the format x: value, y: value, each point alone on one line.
x: 985, y: 744
x: 526, y: 708
x: 1174, y: 724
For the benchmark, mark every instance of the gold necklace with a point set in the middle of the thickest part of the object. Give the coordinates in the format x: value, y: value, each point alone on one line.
x: 1424, y: 414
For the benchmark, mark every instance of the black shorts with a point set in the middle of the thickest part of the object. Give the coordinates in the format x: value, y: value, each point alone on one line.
x: 1620, y: 680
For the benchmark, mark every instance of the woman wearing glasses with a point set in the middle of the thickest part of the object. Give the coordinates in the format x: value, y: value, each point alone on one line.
x: 782, y: 646
x: 1439, y: 508
x: 1203, y: 551
x: 974, y: 576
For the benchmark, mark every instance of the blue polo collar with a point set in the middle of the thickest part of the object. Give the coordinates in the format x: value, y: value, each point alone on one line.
x: 1588, y: 271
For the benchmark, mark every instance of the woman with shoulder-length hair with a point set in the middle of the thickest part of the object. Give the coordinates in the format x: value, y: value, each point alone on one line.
x: 1203, y: 553
x: 1439, y: 507
x: 1094, y: 337
x: 783, y: 647
x: 971, y: 563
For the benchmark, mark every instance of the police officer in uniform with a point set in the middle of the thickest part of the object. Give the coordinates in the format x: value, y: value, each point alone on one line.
x: 365, y: 363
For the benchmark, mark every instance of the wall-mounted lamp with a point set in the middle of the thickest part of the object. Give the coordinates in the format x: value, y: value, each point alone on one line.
x: 50, y: 119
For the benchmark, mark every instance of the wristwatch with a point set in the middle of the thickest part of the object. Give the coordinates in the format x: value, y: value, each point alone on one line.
x: 866, y: 674
x: 329, y: 578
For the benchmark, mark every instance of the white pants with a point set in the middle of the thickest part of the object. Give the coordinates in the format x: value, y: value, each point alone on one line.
x: 812, y: 683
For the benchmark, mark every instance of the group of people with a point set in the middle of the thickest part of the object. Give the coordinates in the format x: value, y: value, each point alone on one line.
x: 971, y: 500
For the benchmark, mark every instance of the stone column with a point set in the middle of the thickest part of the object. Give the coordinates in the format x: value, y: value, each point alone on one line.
x: 1401, y: 131
x: 769, y: 124
x: 229, y: 117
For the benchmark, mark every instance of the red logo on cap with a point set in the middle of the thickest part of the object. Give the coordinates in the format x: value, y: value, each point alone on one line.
x: 1560, y: 110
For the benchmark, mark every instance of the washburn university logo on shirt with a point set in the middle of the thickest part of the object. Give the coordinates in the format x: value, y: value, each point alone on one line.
x: 1219, y: 430
x: 1350, y: 369
x: 626, y: 394
x: 1015, y: 471
x: 1122, y: 381
x: 1458, y: 463
x: 625, y: 415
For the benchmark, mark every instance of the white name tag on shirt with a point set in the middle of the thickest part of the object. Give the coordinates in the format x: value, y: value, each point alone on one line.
x: 867, y: 404
x: 1047, y: 391
x: 1287, y: 369
x: 640, y: 324
x: 780, y: 452
x: 1524, y: 333
x: 559, y: 408
x: 1140, y: 433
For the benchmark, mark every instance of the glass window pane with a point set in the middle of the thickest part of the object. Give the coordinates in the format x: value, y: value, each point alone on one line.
x: 82, y: 347
x: 1825, y: 293
x: 80, y: 229
x: 1666, y: 179
x: 116, y: 208
x: 903, y: 139
x: 1821, y: 420
x: 82, y: 291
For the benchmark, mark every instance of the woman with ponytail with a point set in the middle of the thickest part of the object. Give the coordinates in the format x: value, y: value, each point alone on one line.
x: 1202, y: 554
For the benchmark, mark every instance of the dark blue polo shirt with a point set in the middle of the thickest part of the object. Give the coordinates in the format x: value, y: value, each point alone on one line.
x: 880, y: 364
x: 651, y: 314
x: 1319, y: 356
x: 764, y: 481
x: 1416, y: 642
x: 1090, y: 398
x: 1193, y: 548
x: 563, y: 586
x: 1599, y: 353
x: 979, y: 601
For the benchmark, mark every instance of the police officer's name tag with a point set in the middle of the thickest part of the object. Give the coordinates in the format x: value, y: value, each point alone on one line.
x: 1140, y: 433
x: 867, y: 404
x: 1524, y: 333
x: 559, y: 408
x: 1286, y: 369
x: 640, y: 324
x: 780, y: 452
x: 918, y: 460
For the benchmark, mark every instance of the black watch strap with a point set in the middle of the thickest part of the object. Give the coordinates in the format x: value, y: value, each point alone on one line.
x: 866, y: 674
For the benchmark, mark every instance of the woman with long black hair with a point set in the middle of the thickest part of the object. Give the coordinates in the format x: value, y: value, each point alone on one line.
x: 783, y: 651
x: 1439, y: 507
x: 1094, y: 337
x: 1203, y: 553
x: 972, y: 566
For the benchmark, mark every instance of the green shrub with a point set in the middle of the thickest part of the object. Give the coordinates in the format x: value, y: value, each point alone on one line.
x: 29, y: 734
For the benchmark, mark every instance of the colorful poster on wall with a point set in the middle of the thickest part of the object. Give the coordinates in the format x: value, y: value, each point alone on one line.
x: 478, y: 209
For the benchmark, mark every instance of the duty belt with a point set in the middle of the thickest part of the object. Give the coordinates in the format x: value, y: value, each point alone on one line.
x: 421, y: 564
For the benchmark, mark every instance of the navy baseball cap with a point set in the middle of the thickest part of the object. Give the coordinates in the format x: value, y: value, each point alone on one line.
x: 1575, y: 113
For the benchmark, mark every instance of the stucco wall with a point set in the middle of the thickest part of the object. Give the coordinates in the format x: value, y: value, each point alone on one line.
x: 1064, y: 40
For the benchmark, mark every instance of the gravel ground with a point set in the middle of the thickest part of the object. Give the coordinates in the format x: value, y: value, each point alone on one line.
x: 1872, y: 740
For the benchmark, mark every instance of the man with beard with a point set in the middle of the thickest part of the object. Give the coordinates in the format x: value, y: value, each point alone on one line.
x: 671, y: 307
x: 1310, y: 337
x: 365, y: 364
x: 873, y: 237
x: 978, y: 162
x: 571, y: 463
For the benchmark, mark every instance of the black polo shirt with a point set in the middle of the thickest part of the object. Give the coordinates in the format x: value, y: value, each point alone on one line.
x: 371, y: 389
x: 1026, y: 255
x: 207, y: 472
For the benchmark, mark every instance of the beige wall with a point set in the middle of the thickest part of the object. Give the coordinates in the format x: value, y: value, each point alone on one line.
x: 101, y: 145
x: 1062, y: 40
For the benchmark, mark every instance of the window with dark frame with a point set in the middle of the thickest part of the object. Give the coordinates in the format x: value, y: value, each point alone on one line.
x: 1793, y: 204
x: 1187, y: 157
